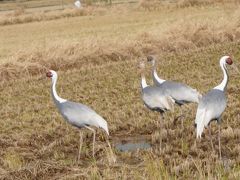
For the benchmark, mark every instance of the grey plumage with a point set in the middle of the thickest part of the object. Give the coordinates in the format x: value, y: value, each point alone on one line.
x: 80, y: 115
x: 77, y: 114
x: 214, y: 100
x: 154, y: 97
x: 180, y: 92
x: 213, y: 104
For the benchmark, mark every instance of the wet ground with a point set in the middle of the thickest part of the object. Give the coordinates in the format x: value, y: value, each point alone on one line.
x: 132, y: 143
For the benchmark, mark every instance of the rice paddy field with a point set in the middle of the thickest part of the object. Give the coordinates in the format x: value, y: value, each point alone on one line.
x: 96, y: 51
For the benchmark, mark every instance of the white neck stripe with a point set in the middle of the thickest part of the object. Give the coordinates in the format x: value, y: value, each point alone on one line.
x: 157, y: 78
x: 54, y: 92
x: 143, y: 82
x: 224, y: 82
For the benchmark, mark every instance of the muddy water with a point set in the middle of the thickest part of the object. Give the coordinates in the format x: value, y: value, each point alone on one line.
x: 132, y: 144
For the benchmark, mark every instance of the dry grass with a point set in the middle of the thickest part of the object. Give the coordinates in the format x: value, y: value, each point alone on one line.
x: 19, y: 17
x: 158, y: 4
x: 163, y: 36
x: 35, y: 11
x: 98, y: 67
x: 16, y: 4
x: 37, y: 143
x: 21, y: 13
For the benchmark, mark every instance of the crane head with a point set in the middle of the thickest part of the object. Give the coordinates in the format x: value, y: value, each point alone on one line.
x: 51, y: 74
x: 226, y: 60
x: 151, y: 59
x: 229, y: 60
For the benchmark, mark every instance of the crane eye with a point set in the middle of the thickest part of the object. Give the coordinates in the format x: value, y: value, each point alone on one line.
x: 229, y: 61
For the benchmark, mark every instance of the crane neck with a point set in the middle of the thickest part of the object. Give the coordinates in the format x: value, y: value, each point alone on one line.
x: 143, y: 81
x: 156, y: 78
x: 222, y: 86
x: 55, y: 96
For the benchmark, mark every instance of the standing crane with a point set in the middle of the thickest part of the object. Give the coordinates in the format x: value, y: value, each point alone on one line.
x: 154, y: 97
x: 180, y: 92
x: 213, y: 103
x: 77, y: 114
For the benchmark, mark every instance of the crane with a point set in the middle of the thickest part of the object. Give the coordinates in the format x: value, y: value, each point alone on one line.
x: 77, y: 114
x: 213, y: 104
x: 154, y: 97
x: 180, y: 92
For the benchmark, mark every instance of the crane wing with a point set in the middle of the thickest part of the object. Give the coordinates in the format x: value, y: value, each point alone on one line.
x: 210, y: 107
x: 180, y: 92
x: 154, y: 98
x: 80, y: 115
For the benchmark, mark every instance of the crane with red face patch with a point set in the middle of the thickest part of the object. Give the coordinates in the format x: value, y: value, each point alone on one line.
x: 213, y: 104
x: 77, y: 114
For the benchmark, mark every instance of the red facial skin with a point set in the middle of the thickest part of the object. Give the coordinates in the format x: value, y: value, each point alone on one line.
x: 49, y: 74
x: 229, y: 61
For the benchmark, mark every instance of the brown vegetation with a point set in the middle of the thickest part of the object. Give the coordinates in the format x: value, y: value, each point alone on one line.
x: 158, y: 4
x: 179, y: 37
x: 19, y: 17
x: 100, y: 70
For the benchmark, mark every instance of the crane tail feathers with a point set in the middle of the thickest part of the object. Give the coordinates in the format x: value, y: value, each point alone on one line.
x: 199, y: 121
x: 169, y: 103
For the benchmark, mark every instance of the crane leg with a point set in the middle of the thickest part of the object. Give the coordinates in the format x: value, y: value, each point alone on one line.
x: 195, y: 143
x: 210, y: 134
x: 109, y: 145
x: 160, y: 127
x: 94, y: 136
x: 181, y: 117
x: 80, y: 145
x: 182, y: 126
x: 219, y: 141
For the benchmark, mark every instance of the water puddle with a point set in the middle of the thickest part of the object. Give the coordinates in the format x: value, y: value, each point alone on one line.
x: 132, y: 144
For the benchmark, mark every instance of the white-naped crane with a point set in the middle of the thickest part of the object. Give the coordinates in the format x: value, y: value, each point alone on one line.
x: 77, y: 114
x: 154, y: 97
x: 213, y: 104
x: 180, y: 92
